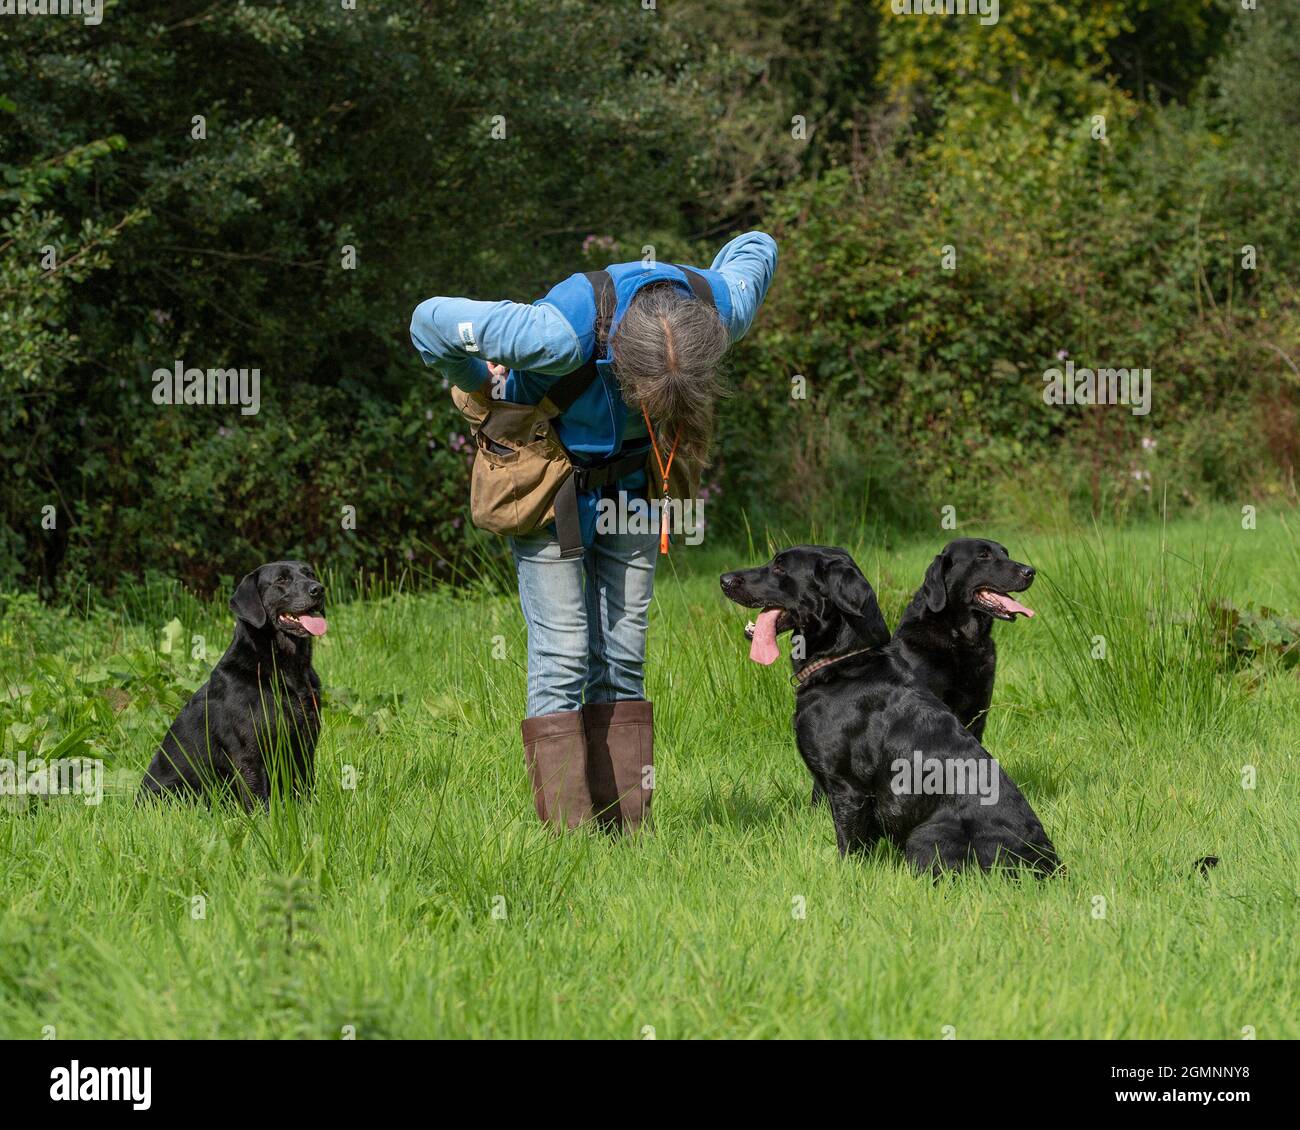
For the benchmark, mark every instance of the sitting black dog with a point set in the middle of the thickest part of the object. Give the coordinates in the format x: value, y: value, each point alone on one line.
x: 260, y: 708
x: 946, y: 632
x: 893, y: 760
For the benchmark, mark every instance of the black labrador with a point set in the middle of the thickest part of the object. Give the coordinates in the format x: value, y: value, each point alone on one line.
x: 946, y: 632
x: 893, y: 760
x: 259, y: 711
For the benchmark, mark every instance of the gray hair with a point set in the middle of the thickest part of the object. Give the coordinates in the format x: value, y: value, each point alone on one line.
x: 667, y: 349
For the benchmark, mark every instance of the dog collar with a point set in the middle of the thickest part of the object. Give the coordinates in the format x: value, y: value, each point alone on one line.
x: 806, y: 673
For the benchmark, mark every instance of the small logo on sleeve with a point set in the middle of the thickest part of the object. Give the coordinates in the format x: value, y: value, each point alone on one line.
x: 466, y: 331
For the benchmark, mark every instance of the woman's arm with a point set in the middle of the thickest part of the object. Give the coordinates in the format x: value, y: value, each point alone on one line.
x: 457, y: 336
x: 747, y: 263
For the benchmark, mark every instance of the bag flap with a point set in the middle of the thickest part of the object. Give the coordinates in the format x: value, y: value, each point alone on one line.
x: 518, y: 424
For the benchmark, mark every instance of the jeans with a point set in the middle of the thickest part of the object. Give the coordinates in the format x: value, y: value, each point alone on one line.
x: 587, y: 619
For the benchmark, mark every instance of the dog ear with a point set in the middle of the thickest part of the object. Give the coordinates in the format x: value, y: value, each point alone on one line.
x: 247, y: 601
x: 853, y: 595
x: 935, y: 587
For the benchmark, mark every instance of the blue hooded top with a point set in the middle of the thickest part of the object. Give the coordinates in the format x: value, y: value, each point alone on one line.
x: 540, y: 343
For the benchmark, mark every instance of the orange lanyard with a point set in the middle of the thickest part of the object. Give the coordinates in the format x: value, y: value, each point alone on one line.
x: 664, y: 469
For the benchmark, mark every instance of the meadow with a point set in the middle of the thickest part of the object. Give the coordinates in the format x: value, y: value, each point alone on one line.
x: 1150, y: 712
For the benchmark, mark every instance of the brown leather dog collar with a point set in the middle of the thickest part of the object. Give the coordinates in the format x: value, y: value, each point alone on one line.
x: 805, y: 673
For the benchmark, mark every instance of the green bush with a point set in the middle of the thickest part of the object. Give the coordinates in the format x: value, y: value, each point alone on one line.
x: 328, y: 129
x: 402, y: 132
x: 1119, y: 252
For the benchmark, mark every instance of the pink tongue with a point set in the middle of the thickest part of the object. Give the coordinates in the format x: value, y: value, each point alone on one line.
x: 1007, y: 604
x: 762, y: 648
x: 316, y: 624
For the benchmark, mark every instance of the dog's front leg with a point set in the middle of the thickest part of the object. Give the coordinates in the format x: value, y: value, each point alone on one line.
x: 854, y: 813
x: 254, y: 784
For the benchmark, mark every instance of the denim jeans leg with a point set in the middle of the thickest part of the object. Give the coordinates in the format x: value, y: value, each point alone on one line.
x: 621, y: 577
x: 555, y: 609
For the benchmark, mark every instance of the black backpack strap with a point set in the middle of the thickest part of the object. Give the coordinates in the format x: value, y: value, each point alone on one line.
x: 610, y: 472
x: 568, y: 526
x: 699, y: 284
x: 563, y: 394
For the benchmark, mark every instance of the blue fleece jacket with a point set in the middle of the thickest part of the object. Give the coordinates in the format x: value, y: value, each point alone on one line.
x: 543, y: 341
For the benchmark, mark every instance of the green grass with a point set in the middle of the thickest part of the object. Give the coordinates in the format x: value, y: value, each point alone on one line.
x: 373, y: 906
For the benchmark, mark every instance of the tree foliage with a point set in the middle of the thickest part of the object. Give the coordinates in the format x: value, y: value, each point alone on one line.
x: 276, y: 185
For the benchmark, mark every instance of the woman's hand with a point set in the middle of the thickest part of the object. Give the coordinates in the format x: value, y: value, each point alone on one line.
x: 497, y: 372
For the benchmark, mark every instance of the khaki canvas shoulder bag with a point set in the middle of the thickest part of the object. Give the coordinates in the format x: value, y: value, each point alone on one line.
x: 523, y: 477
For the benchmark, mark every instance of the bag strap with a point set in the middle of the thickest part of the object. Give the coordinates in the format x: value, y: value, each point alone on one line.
x: 564, y: 393
x: 607, y: 474
x: 568, y: 525
x: 699, y: 284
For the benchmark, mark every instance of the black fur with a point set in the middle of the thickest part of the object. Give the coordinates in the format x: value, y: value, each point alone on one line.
x: 946, y: 634
x: 261, y: 704
x: 858, y: 718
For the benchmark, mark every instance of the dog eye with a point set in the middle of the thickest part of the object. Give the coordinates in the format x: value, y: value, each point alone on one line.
x: 778, y: 571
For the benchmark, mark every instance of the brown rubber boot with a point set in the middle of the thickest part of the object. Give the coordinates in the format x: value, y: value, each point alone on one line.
x: 620, y: 744
x: 555, y: 751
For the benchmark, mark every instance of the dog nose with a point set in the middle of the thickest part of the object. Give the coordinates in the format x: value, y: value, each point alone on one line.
x: 316, y: 591
x: 1027, y: 571
x: 728, y: 581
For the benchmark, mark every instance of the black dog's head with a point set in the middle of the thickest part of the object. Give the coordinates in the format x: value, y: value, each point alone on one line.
x: 972, y: 575
x: 284, y: 596
x: 815, y: 590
